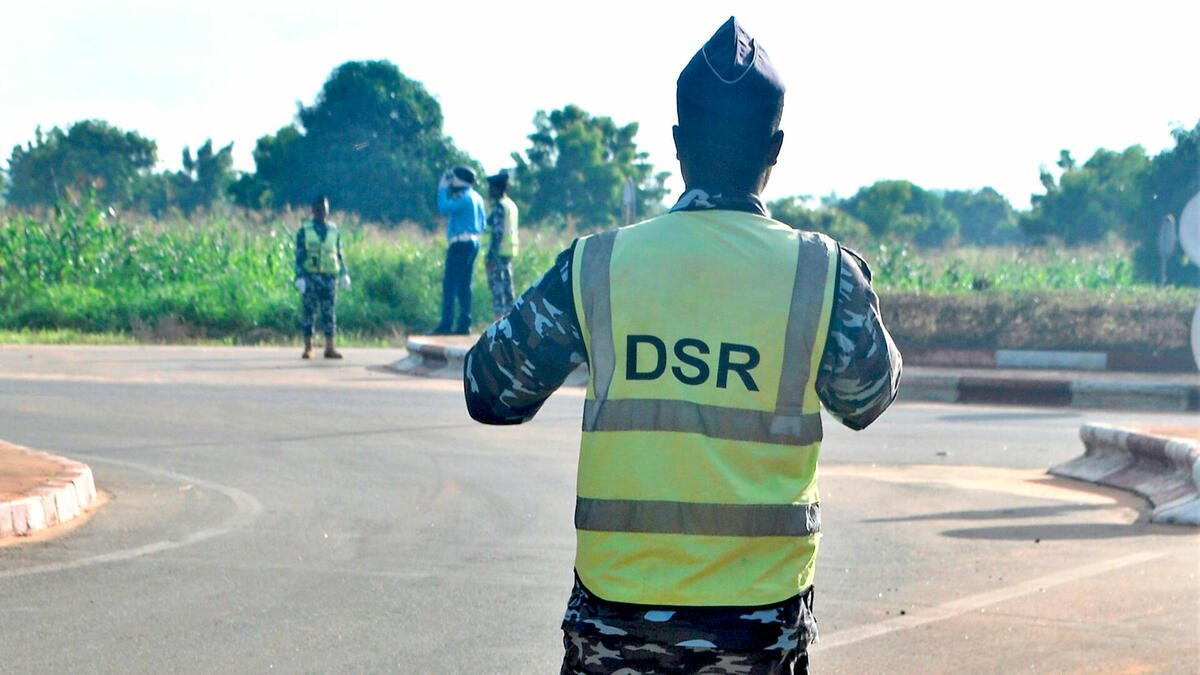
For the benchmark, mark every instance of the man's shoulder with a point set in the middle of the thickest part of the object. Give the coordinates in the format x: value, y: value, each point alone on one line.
x: 852, y: 257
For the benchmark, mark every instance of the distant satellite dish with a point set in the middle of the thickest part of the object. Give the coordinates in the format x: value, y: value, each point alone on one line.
x: 1189, y: 228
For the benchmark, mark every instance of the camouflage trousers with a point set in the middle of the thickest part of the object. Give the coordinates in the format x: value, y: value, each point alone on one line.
x: 618, y: 638
x: 320, y: 297
x: 499, y: 276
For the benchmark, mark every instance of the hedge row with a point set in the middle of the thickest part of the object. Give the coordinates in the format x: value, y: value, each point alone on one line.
x: 1150, y: 321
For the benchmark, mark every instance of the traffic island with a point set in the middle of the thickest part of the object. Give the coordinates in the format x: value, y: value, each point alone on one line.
x: 39, y: 490
x: 445, y: 356
x: 1160, y: 464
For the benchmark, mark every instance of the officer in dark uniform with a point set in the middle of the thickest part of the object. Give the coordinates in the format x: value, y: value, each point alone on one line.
x: 713, y: 337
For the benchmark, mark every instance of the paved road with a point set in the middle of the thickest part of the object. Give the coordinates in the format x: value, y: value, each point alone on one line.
x: 269, y: 514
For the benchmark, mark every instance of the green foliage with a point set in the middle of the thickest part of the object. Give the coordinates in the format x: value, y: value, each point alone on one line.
x: 827, y: 219
x: 1172, y: 179
x: 85, y: 270
x: 1012, y: 268
x: 372, y: 141
x: 985, y: 217
x: 575, y: 168
x: 92, y: 157
x: 26, y: 336
x: 897, y: 210
x: 200, y: 186
x: 1088, y: 203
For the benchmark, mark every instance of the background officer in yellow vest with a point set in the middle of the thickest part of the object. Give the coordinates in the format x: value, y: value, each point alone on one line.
x: 713, y: 336
x: 502, y: 222
x: 319, y: 271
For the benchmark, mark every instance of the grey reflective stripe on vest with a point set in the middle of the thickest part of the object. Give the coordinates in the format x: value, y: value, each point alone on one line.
x: 787, y: 424
x: 721, y: 520
x: 804, y: 317
x: 597, y: 307
x: 735, y: 424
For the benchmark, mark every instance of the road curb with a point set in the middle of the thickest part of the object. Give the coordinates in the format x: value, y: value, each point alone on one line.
x: 1174, y: 361
x: 1164, y: 470
x: 1053, y: 392
x: 431, y: 358
x: 69, y: 494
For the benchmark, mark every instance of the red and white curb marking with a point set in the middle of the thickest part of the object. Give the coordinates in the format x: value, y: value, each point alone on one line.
x: 70, y: 493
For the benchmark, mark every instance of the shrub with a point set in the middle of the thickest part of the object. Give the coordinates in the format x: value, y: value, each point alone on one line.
x: 1149, y: 321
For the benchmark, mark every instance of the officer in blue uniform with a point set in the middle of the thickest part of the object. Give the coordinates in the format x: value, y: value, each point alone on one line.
x: 465, y: 222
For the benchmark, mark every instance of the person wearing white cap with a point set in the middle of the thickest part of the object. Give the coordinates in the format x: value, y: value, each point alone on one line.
x: 713, y: 336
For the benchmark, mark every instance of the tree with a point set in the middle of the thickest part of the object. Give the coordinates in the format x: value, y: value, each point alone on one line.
x: 827, y: 219
x: 1172, y: 178
x: 90, y: 157
x: 576, y: 166
x: 372, y: 140
x: 899, y: 210
x: 1088, y: 203
x: 985, y: 217
x: 208, y: 176
x: 249, y: 191
x: 201, y: 185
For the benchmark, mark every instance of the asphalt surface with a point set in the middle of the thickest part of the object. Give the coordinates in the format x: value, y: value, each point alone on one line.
x: 266, y: 513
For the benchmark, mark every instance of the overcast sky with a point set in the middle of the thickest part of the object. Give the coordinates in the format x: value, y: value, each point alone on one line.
x: 949, y: 95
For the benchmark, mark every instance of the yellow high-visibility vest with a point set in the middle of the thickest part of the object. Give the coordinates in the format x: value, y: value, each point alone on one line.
x: 320, y: 255
x: 510, y: 243
x: 697, y: 480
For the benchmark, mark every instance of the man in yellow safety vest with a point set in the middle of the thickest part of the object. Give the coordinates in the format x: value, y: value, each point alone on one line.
x: 320, y: 269
x: 713, y: 335
x: 502, y: 221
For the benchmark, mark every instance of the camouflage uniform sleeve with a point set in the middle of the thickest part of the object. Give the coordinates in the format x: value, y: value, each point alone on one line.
x: 341, y: 261
x: 495, y: 222
x: 301, y: 254
x: 524, y: 357
x: 860, y: 369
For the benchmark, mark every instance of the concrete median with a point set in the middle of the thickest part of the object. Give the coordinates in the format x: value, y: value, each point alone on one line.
x: 1163, y: 467
x: 54, y: 492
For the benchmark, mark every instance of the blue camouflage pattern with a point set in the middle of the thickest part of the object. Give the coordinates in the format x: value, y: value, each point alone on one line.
x: 612, y: 637
x: 522, y: 358
x: 320, y: 298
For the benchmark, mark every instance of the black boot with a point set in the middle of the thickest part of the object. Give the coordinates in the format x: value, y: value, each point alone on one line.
x: 330, y: 351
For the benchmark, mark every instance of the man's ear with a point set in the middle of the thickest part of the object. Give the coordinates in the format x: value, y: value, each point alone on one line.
x: 773, y: 147
x: 678, y: 136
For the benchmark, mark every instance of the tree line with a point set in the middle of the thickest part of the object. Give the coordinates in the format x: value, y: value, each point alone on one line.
x: 373, y: 140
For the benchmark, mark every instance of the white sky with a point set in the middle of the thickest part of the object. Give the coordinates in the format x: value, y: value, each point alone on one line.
x: 947, y: 94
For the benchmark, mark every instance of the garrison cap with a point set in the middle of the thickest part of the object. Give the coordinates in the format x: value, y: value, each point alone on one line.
x: 499, y: 180
x: 731, y: 76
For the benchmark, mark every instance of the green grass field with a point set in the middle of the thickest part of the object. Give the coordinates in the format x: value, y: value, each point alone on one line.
x: 80, y: 275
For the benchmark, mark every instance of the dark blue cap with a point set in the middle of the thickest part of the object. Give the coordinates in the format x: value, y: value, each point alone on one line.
x: 465, y: 174
x: 498, y: 181
x: 731, y: 76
